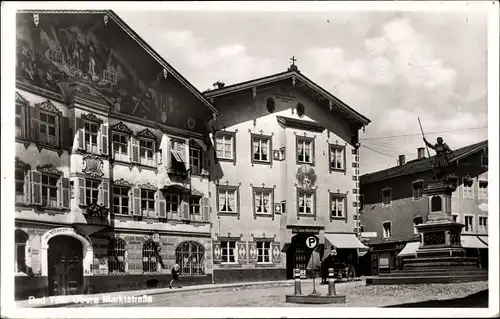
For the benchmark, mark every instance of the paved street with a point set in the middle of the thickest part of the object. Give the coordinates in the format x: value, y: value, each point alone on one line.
x: 358, y: 295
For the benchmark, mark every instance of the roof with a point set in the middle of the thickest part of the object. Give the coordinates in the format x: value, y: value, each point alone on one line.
x: 419, y: 165
x: 299, y: 81
x: 300, y: 124
x: 171, y: 71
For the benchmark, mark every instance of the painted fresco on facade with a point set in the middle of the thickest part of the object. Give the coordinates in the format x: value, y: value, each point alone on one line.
x: 94, y: 55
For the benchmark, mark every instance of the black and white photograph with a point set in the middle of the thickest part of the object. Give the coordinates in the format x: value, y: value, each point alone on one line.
x: 250, y: 159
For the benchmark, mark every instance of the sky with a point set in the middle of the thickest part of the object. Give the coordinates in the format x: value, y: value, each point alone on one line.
x: 392, y: 67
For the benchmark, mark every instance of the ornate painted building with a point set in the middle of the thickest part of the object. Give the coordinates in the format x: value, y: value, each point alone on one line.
x: 288, y: 152
x: 111, y: 168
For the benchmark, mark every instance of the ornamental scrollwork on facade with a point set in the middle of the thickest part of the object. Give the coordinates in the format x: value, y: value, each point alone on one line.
x: 49, y: 169
x: 146, y: 133
x: 148, y: 185
x: 92, y: 166
x: 122, y: 182
x: 21, y: 99
x: 22, y: 165
x: 48, y: 106
x: 121, y: 127
x: 91, y: 118
x: 306, y: 176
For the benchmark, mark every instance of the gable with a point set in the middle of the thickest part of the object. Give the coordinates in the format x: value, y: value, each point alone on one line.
x: 106, y: 63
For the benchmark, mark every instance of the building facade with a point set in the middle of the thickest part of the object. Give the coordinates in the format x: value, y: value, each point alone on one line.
x: 393, y: 203
x: 111, y: 171
x: 287, y: 151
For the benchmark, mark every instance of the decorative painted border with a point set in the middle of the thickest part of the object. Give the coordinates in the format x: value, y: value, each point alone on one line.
x: 263, y: 189
x: 230, y: 188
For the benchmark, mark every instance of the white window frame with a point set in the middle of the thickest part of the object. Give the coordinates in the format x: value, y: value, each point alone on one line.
x: 46, y: 138
x: 263, y: 195
x: 225, y: 143
x: 147, y: 160
x: 482, y: 228
x: 471, y: 230
x: 467, y: 191
x: 195, y: 154
x: 20, y: 197
x: 91, y: 136
x: 261, y: 140
x: 89, y: 181
x: 387, y: 233
x: 118, y: 151
x: 172, y: 200
x: 120, y: 198
x: 20, y: 130
x: 303, y: 144
x: 195, y: 206
x: 148, y: 211
x: 227, y: 192
x: 304, y: 196
x: 413, y: 189
x: 337, y: 200
x: 261, y: 251
x: 53, y: 201
x: 457, y: 191
x: 337, y: 156
x: 235, y: 251
x: 482, y: 194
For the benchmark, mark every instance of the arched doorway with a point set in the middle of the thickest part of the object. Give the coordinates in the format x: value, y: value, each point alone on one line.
x: 297, y: 255
x: 65, y: 267
x: 20, y: 251
x: 190, y: 256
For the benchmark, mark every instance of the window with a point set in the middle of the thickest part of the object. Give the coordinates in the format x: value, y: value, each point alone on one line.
x: 455, y: 218
x: 483, y: 189
x: 305, y: 150
x: 469, y: 224
x: 263, y: 201
x: 120, y: 147
x: 116, y: 255
x: 20, y: 251
x: 91, y: 191
x: 467, y: 187
x: 228, y: 251
x: 91, y: 133
x: 337, y: 204
x: 20, y: 126
x: 416, y: 221
x: 263, y: 249
x: 121, y: 200
x: 190, y: 256
x: 150, y: 256
x: 484, y: 158
x: 306, y: 202
x: 49, y: 190
x: 225, y: 146
x: 387, y: 231
x: 178, y: 156
x: 337, y: 158
x: 147, y: 201
x: 194, y: 206
x: 20, y: 192
x: 172, y: 201
x: 456, y: 192
x: 270, y: 105
x: 261, y: 149
x: 195, y: 160
x: 146, y: 151
x: 483, y: 224
x: 48, y: 129
x: 386, y: 197
x: 417, y: 188
x: 227, y: 200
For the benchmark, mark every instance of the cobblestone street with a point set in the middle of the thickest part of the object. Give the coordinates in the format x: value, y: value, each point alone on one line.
x: 358, y: 295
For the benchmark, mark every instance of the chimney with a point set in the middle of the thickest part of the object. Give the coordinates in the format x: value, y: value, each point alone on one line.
x: 420, y: 152
x: 401, y: 160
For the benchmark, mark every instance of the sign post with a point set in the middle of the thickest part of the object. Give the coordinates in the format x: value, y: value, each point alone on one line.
x: 311, y: 243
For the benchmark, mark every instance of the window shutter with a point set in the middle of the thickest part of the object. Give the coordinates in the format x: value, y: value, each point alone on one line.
x: 186, y: 154
x: 27, y: 192
x: 105, y: 193
x: 58, y: 132
x: 35, y: 123
x: 81, y: 133
x: 104, y: 139
x: 206, y: 209
x: 66, y: 192
x: 81, y: 186
x: 161, y: 206
x: 137, y: 202
x: 185, y: 211
x: 65, y: 133
x: 135, y: 149
x: 167, y: 155
x: 205, y: 161
x: 36, y: 187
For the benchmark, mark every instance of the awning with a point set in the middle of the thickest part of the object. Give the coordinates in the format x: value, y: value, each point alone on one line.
x: 484, y: 239
x: 178, y: 188
x: 344, y: 241
x: 362, y: 252
x: 410, y: 249
x: 285, y: 248
x: 472, y: 242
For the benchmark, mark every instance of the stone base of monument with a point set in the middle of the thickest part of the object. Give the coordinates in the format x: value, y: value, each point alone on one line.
x: 315, y: 299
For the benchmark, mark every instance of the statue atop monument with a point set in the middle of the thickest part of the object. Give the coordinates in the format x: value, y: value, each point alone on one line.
x: 441, y: 161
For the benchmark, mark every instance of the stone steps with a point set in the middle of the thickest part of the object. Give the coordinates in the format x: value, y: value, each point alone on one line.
x: 410, y: 280
x: 454, y: 273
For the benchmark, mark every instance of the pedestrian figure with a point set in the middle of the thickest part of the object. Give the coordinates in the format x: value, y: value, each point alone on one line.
x: 175, y: 276
x: 329, y: 262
